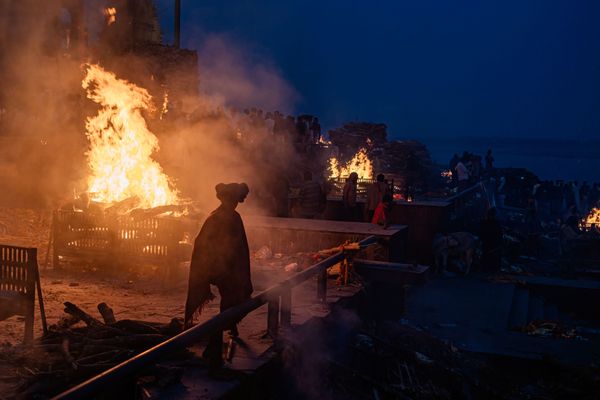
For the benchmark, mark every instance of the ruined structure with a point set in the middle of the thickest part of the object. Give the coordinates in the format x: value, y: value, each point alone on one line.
x: 132, y: 34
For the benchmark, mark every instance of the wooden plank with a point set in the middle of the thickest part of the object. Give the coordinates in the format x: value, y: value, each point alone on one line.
x: 318, y: 225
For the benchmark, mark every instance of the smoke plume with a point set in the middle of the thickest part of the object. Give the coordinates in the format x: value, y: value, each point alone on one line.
x: 204, y: 140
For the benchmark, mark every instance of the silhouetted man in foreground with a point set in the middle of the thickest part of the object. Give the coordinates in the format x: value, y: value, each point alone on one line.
x: 221, y: 257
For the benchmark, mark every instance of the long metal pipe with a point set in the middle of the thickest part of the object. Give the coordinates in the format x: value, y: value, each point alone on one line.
x: 117, y: 373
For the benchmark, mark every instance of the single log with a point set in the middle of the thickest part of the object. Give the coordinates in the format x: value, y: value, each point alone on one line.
x: 131, y: 341
x: 67, y: 354
x: 136, y: 327
x: 90, y: 321
x: 140, y: 214
x: 107, y: 313
x: 90, y: 350
x: 123, y: 206
x: 64, y: 323
x: 101, y: 357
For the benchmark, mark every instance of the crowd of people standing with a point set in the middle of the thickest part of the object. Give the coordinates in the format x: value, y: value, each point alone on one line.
x: 468, y: 168
x: 302, y: 129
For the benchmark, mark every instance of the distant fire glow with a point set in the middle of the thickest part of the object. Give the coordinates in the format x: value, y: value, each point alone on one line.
x: 111, y: 15
x: 360, y: 163
x: 121, y: 145
x: 446, y: 174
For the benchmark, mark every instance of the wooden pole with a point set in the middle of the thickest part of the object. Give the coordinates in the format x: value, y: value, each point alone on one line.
x: 177, y: 23
x: 38, y: 283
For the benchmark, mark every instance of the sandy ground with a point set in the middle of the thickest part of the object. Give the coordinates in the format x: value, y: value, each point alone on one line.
x: 138, y: 294
x: 145, y: 300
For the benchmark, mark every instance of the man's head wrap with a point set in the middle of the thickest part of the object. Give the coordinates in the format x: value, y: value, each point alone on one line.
x: 232, y: 191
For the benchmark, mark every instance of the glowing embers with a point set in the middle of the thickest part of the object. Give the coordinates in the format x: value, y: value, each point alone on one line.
x: 121, y: 145
x: 360, y: 163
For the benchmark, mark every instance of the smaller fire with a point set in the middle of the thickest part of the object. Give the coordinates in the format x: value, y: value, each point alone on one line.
x: 111, y: 15
x: 360, y: 163
x: 322, y: 140
x: 447, y: 175
x: 592, y: 220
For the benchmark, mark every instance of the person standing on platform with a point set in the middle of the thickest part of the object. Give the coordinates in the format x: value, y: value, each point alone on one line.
x: 375, y: 194
x: 462, y: 175
x: 382, y: 212
x: 349, y: 198
x: 310, y: 198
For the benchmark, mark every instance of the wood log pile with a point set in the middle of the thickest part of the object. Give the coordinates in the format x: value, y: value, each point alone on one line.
x: 78, y: 347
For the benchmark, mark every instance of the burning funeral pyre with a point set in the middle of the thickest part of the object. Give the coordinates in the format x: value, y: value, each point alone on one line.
x: 121, y: 145
x: 365, y: 149
x: 591, y: 221
x: 130, y: 202
x: 338, y: 172
x: 360, y: 163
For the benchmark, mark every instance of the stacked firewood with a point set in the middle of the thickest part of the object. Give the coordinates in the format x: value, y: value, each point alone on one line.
x: 78, y: 347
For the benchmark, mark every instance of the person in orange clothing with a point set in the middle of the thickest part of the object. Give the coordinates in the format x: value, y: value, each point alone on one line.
x: 382, y: 212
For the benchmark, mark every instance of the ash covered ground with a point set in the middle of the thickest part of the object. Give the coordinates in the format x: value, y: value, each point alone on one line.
x: 133, y: 294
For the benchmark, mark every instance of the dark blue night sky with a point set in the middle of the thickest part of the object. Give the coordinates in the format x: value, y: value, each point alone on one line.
x: 517, y: 68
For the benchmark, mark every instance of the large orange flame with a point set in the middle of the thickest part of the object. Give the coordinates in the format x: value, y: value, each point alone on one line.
x: 360, y: 163
x: 121, y: 145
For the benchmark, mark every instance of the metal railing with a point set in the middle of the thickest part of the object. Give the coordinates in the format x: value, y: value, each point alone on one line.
x: 278, y: 298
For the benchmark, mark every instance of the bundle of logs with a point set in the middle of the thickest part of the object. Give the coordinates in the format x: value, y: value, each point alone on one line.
x: 81, y: 346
